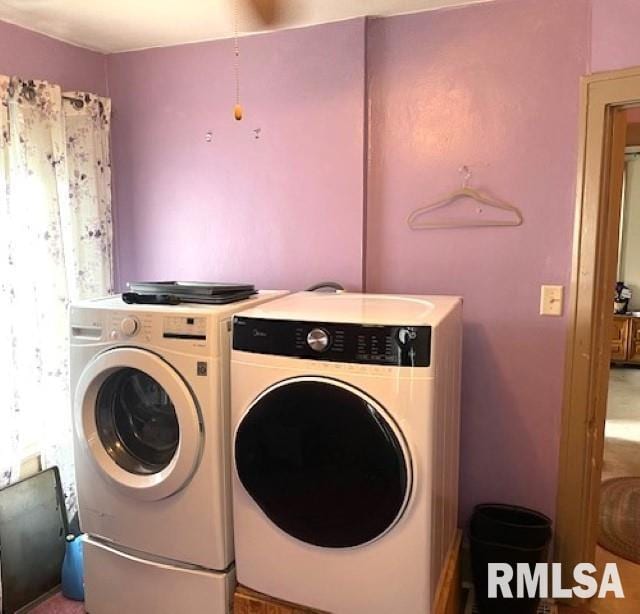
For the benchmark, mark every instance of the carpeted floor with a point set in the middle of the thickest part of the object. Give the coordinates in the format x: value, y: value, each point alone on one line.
x: 59, y: 605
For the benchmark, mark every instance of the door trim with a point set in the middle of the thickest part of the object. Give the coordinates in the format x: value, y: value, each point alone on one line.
x: 178, y: 472
x: 603, y: 97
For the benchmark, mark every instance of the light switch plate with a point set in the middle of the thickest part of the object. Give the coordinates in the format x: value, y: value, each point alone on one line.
x: 551, y: 300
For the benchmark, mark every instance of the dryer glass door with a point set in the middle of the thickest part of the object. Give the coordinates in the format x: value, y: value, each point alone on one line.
x: 139, y: 422
x: 324, y: 462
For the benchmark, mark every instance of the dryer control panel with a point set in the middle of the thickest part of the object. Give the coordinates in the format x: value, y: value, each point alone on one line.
x: 400, y: 346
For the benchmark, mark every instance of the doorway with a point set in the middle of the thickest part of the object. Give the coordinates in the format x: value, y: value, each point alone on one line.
x: 599, y: 450
x: 619, y: 514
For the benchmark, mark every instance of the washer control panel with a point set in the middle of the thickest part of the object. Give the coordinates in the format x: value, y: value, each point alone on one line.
x: 183, y: 327
x: 123, y: 326
x: 129, y: 326
x: 404, y: 346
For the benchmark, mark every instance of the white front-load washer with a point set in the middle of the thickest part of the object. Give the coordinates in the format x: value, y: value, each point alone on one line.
x: 150, y: 389
x: 345, y: 414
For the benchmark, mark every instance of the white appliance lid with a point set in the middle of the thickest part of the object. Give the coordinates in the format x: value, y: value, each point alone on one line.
x: 115, y: 303
x: 357, y: 308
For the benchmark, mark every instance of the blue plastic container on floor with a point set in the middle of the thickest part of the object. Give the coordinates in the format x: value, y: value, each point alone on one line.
x: 73, y: 569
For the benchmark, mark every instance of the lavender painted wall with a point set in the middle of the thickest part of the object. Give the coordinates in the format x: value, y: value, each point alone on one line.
x: 495, y: 87
x: 615, y: 40
x: 492, y: 86
x: 31, y: 55
x: 283, y: 210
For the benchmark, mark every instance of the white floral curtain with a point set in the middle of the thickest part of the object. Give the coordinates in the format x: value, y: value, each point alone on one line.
x: 55, y: 247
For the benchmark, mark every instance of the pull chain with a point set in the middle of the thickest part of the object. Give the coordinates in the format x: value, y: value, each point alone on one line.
x: 237, y: 109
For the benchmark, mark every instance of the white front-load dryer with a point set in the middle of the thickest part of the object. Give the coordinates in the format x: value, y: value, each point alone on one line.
x: 150, y: 391
x: 345, y: 414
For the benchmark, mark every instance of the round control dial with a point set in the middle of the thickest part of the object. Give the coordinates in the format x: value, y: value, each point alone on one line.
x: 318, y: 340
x: 129, y: 326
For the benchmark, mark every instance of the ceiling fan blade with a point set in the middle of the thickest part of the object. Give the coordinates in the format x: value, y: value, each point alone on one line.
x: 267, y: 11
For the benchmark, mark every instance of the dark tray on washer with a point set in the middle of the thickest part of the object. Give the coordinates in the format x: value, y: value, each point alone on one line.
x: 189, y: 288
x: 134, y: 298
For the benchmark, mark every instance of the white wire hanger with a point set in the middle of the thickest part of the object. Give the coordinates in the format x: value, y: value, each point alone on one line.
x: 416, y: 219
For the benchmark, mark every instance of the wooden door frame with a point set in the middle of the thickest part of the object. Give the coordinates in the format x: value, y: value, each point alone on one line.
x: 595, y: 242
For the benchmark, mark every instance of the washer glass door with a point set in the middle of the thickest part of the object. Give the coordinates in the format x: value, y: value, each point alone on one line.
x: 139, y: 422
x: 324, y: 462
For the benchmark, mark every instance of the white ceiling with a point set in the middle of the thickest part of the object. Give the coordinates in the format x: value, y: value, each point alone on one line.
x: 121, y: 25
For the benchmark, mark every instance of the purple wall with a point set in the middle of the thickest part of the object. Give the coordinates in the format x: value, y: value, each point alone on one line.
x: 615, y: 40
x: 284, y: 210
x: 31, y: 55
x: 492, y: 86
x: 495, y: 87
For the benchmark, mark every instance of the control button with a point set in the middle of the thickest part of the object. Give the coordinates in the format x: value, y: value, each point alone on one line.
x: 129, y: 327
x: 318, y: 340
x: 406, y: 336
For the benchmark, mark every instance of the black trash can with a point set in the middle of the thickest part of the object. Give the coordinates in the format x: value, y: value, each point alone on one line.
x: 506, y: 534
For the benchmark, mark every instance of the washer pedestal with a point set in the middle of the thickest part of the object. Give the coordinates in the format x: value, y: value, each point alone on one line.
x: 119, y: 582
